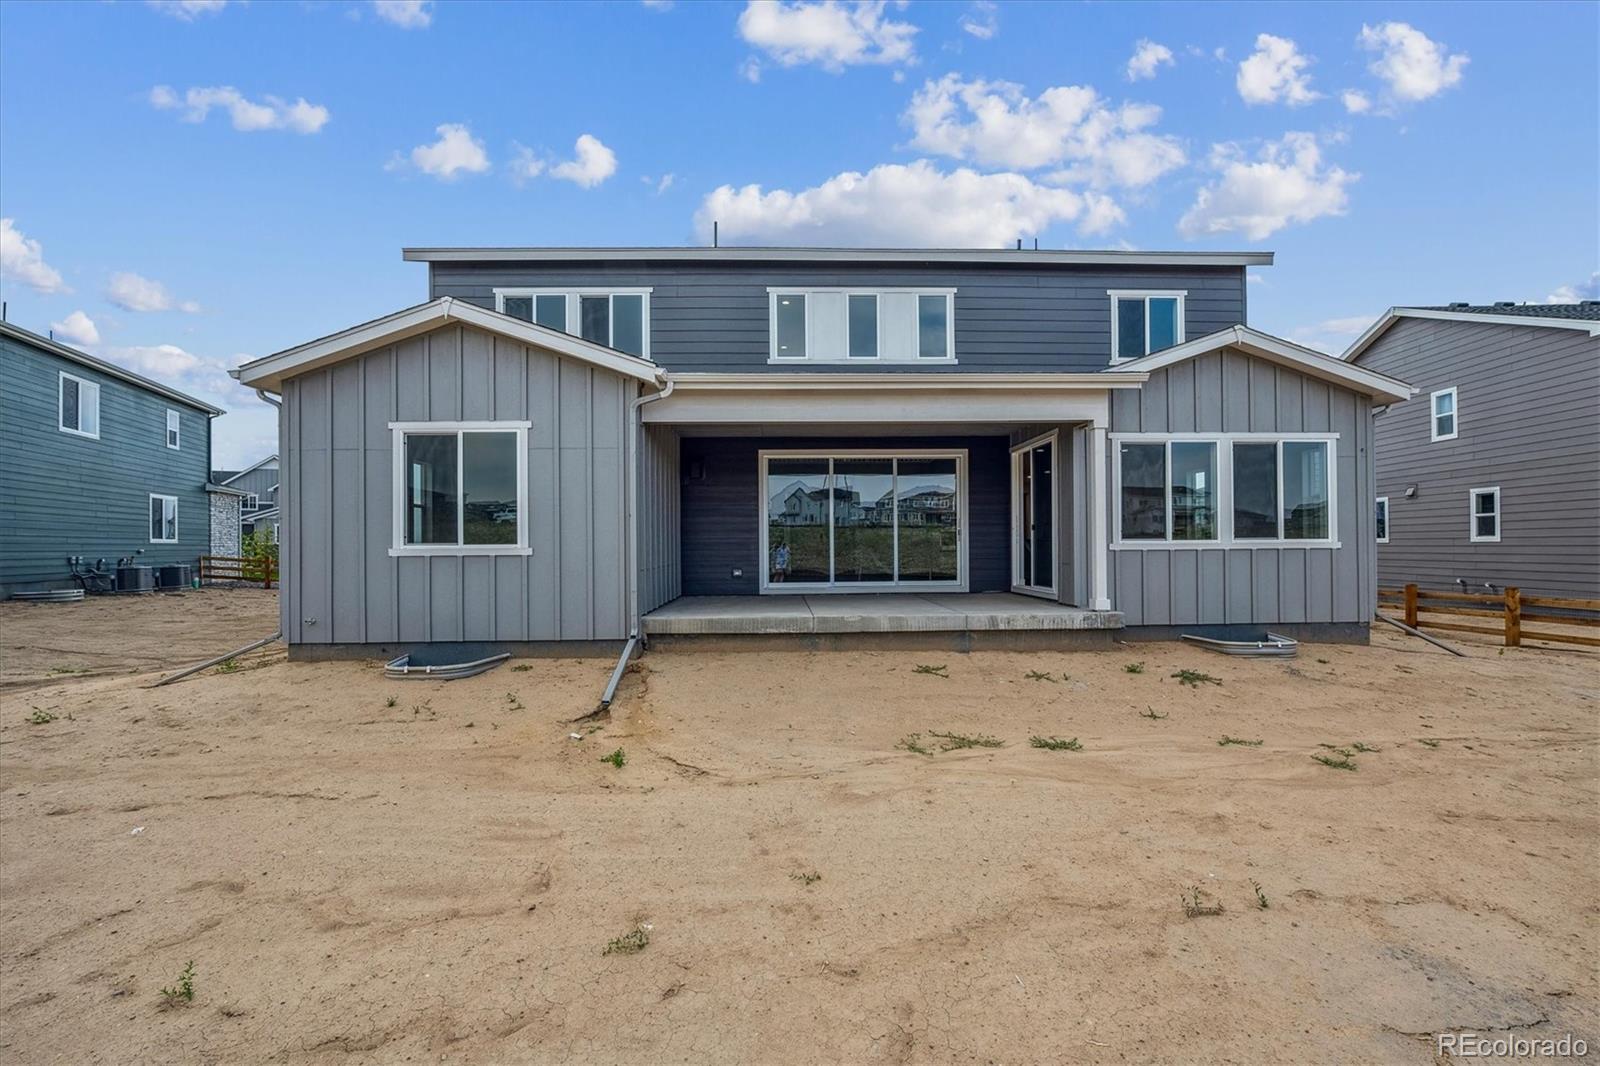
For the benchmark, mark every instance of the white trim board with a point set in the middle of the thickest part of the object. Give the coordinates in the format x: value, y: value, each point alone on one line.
x: 1381, y: 387
x: 747, y: 254
x: 1389, y: 317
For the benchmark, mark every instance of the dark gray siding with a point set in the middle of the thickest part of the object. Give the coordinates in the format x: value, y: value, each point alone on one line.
x: 62, y: 494
x: 721, y: 525
x: 713, y: 317
x: 1529, y: 401
x: 1230, y: 392
x: 262, y: 482
x: 341, y: 585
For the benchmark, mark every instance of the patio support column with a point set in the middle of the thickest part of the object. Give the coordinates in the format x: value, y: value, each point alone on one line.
x: 1099, y: 520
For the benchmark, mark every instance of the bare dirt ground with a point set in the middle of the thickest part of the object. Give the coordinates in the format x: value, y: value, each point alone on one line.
x: 438, y: 879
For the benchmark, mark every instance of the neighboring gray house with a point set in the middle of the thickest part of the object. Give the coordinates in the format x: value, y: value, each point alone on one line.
x: 566, y: 447
x: 1492, y: 477
x: 258, y: 484
x: 97, y: 463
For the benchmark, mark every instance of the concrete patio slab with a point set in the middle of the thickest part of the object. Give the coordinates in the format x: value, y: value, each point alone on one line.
x: 871, y: 613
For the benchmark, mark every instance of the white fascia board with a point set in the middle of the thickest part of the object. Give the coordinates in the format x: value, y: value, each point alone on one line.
x: 908, y: 382
x: 270, y: 371
x: 1381, y: 387
x: 1006, y: 256
x: 1377, y: 329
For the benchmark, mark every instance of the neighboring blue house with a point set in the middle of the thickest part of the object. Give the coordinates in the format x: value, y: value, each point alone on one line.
x: 575, y: 446
x: 97, y: 463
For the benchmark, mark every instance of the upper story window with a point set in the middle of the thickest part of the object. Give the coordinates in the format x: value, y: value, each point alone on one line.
x: 461, y: 488
x: 1485, y: 514
x: 173, y: 426
x: 1444, y: 414
x: 616, y: 318
x: 1145, y: 321
x: 80, y: 406
x: 839, y: 325
x: 252, y: 502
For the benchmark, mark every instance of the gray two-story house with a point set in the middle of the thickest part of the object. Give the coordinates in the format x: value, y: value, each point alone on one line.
x: 97, y: 464
x: 580, y: 445
x: 258, y: 484
x: 1492, y: 477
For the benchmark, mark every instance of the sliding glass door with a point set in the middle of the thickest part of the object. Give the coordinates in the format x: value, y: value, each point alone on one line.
x: 862, y: 521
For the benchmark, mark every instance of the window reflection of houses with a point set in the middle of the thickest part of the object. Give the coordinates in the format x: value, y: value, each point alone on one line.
x: 799, y: 504
x: 925, y: 505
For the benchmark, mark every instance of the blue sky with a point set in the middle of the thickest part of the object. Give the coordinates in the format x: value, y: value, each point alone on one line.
x: 189, y: 184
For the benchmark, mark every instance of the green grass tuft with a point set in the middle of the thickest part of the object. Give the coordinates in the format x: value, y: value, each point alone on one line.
x: 618, y: 758
x: 1055, y: 743
x: 957, y: 741
x: 184, y: 988
x: 1340, y: 763
x: 629, y: 943
x: 1227, y: 740
x: 41, y: 716
x: 935, y: 671
x: 1036, y: 675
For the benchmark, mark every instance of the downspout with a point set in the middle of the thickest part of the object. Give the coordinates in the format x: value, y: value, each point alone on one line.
x: 631, y: 509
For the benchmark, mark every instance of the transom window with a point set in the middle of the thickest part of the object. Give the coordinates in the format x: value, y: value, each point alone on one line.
x: 460, y: 488
x: 1248, y: 489
x: 1145, y: 321
x: 1380, y: 518
x: 79, y: 406
x: 1444, y: 414
x: 853, y: 325
x: 862, y: 519
x: 163, y: 519
x: 616, y: 318
x: 173, y: 425
x: 1485, y: 505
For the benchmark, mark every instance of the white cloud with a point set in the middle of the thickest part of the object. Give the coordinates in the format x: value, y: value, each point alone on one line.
x: 657, y: 5
x: 750, y: 70
x: 593, y: 164
x: 913, y: 204
x: 525, y: 165
x: 995, y: 124
x: 187, y: 10
x: 1276, y: 72
x: 22, y: 259
x: 1332, y: 335
x: 1356, y: 102
x: 982, y: 20
x: 1409, y: 64
x: 456, y: 152
x: 1576, y: 293
x: 661, y: 184
x: 407, y: 14
x: 76, y: 328
x: 272, y: 113
x: 1287, y: 183
x: 1148, y: 57
x: 132, y: 292
x: 832, y: 34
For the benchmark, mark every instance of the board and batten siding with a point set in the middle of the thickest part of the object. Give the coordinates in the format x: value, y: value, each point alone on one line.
x: 1528, y: 402
x: 341, y: 586
x: 1231, y: 392
x: 660, y: 550
x: 714, y: 317
x: 63, y: 495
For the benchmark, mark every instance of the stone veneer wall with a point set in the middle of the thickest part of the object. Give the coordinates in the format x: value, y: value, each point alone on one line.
x: 224, y: 523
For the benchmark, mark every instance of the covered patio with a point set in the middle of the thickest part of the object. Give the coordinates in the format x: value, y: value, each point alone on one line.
x: 897, y: 612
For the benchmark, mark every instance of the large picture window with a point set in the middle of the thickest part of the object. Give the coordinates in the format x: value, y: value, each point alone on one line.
x: 1246, y: 489
x: 616, y: 318
x: 862, y: 519
x: 460, y: 488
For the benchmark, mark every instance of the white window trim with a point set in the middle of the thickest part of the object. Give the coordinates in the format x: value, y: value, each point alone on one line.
x: 572, y: 295
x: 784, y: 588
x: 915, y: 359
x: 1433, y: 415
x: 61, y: 395
x: 1181, y: 295
x: 399, y: 548
x: 1384, y: 501
x: 174, y: 432
x: 1226, y: 539
x: 175, y: 531
x: 1472, y: 515
x: 252, y: 502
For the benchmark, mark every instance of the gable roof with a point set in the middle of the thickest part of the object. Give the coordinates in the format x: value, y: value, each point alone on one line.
x: 235, y: 475
x: 1581, y: 316
x: 270, y: 371
x: 1308, y: 361
x: 84, y: 359
x: 770, y: 254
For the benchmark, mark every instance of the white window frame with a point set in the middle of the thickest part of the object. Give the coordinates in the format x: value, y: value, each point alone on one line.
x: 574, y: 324
x: 397, y: 544
x: 1433, y: 415
x: 1181, y: 295
x: 913, y: 359
x: 252, y: 502
x: 165, y: 499
x: 1019, y: 453
x: 174, y: 434
x: 1473, y: 515
x: 783, y: 588
x: 1382, y: 502
x: 84, y: 384
x: 1225, y: 443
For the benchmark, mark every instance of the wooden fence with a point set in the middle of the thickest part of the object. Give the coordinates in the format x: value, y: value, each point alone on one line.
x: 1510, y: 608
x: 253, y: 570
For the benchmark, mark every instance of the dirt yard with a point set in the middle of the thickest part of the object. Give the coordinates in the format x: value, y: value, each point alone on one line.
x: 370, y: 871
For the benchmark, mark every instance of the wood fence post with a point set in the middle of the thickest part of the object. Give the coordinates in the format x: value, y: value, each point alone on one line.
x: 1411, y: 606
x: 1513, y: 618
